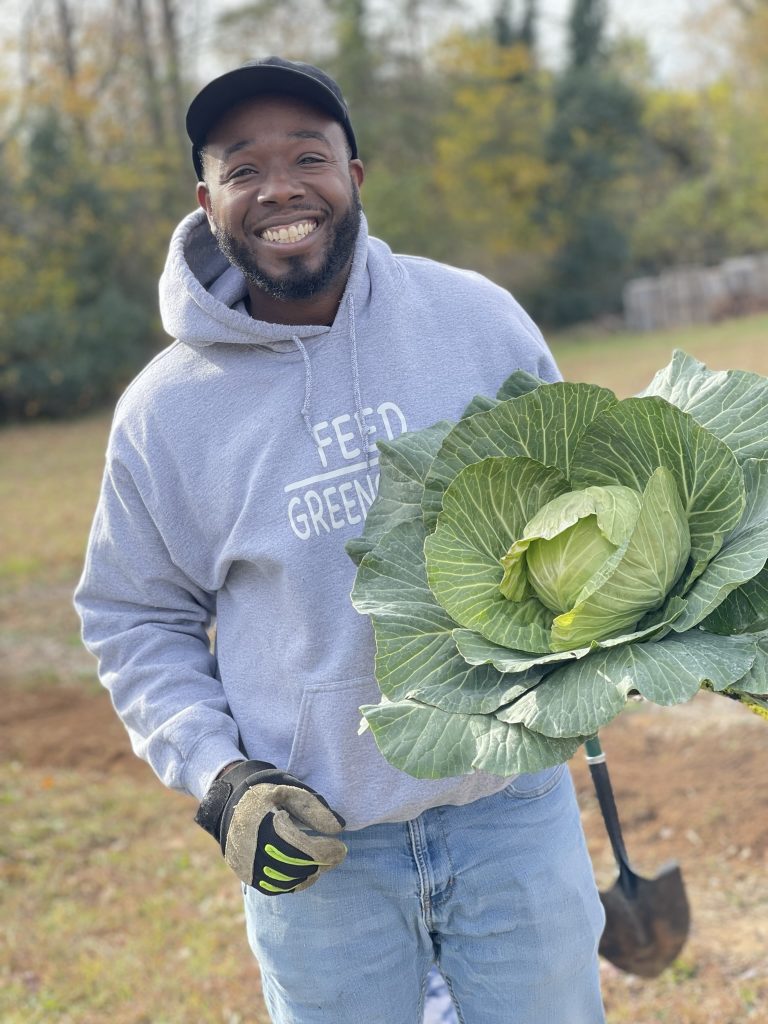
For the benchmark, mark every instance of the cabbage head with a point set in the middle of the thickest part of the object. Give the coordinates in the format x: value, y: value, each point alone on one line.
x: 557, y: 551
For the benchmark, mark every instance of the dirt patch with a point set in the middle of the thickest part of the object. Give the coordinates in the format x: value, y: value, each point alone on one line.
x: 65, y: 728
x: 685, y: 778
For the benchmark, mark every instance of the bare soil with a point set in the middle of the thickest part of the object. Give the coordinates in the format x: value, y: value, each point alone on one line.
x: 683, y: 777
x: 56, y: 728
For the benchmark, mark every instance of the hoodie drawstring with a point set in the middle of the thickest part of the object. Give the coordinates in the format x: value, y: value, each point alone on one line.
x: 307, y: 385
x: 362, y: 423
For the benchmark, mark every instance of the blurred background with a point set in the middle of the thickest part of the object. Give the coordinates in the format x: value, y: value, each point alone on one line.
x: 605, y: 161
x: 563, y: 147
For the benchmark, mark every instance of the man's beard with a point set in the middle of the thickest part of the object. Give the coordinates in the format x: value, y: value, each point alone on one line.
x: 298, y: 282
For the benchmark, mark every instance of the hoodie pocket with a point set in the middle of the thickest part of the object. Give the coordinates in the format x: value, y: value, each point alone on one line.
x: 327, y: 752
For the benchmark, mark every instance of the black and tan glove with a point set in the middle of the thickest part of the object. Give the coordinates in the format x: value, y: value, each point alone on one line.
x: 254, y: 812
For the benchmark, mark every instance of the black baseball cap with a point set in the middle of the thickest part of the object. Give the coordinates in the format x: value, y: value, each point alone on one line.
x: 259, y: 77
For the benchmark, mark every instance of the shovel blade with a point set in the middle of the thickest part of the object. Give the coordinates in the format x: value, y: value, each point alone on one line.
x: 646, y: 922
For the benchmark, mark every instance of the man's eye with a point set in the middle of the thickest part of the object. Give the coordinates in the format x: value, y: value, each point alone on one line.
x: 242, y: 172
x: 311, y: 158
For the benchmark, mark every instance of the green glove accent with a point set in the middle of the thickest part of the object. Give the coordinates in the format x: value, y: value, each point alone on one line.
x: 255, y: 811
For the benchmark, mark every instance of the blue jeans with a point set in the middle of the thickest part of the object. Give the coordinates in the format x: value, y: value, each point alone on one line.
x: 498, y: 893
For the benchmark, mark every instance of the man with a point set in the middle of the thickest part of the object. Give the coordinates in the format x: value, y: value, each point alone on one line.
x: 240, y: 461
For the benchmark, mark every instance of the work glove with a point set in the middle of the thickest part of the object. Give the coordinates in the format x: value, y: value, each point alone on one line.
x: 254, y: 812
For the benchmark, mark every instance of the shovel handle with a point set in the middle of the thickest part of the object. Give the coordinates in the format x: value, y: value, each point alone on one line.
x: 598, y: 769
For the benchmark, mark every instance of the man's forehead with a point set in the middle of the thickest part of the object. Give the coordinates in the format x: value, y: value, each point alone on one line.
x: 278, y: 115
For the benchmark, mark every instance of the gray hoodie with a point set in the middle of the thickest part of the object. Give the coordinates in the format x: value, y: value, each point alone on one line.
x: 240, y: 461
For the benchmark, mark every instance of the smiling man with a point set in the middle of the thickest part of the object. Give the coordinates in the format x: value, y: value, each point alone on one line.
x: 240, y: 462
x: 281, y: 195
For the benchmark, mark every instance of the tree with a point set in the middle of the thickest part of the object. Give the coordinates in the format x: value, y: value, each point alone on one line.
x: 73, y: 323
x: 586, y: 32
x: 296, y: 29
x: 508, y: 31
x: 147, y: 60
x: 708, y: 173
x: 95, y: 186
x: 491, y: 167
x: 592, y: 144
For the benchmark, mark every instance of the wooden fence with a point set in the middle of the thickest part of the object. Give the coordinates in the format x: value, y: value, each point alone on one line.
x: 694, y: 295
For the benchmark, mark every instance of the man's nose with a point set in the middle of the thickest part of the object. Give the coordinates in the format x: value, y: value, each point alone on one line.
x: 279, y: 185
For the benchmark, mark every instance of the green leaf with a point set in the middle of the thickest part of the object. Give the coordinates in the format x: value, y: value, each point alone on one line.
x: 518, y: 383
x: 756, y: 680
x: 476, y: 650
x: 484, y: 509
x: 558, y: 710
x: 615, y: 509
x: 416, y: 656
x: 585, y: 695
x: 480, y: 403
x: 666, y: 671
x: 741, y: 558
x: 430, y: 744
x: 403, y: 466
x: 640, y: 579
x: 731, y: 404
x: 634, y: 438
x: 543, y: 425
x: 745, y: 610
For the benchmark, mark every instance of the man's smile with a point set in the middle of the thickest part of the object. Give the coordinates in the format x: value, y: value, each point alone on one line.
x: 286, y: 233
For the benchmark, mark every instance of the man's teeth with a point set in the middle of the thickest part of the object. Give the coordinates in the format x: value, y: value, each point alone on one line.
x: 289, y: 233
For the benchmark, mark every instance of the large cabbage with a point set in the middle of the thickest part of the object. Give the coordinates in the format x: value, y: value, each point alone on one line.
x: 556, y: 551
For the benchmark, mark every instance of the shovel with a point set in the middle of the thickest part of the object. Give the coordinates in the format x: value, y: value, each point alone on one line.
x: 646, y: 919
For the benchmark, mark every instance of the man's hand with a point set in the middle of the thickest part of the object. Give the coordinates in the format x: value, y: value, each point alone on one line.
x: 254, y: 812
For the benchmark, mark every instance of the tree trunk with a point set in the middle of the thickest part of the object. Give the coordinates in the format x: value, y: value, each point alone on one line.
x: 66, y: 32
x: 173, y: 69
x: 152, y: 98
x: 68, y: 62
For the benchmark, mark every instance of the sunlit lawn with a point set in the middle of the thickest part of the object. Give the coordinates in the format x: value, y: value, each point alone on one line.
x: 625, y: 363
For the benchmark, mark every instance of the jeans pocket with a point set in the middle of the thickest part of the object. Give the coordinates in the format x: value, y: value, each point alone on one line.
x: 535, y: 784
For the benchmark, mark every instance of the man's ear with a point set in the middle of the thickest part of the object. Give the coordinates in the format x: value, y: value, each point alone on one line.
x: 204, y: 199
x: 357, y: 171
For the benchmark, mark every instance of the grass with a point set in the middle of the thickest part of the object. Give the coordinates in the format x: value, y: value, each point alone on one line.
x: 49, y: 481
x: 115, y: 907
x: 625, y: 362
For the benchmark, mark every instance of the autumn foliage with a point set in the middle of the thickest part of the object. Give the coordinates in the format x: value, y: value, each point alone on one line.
x: 560, y: 184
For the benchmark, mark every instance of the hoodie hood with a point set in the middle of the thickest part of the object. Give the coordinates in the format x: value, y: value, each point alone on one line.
x: 202, y: 296
x: 200, y: 292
